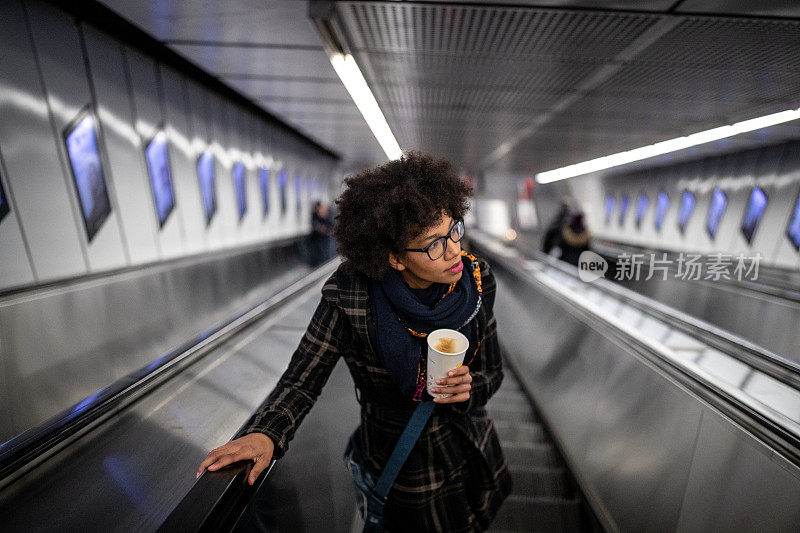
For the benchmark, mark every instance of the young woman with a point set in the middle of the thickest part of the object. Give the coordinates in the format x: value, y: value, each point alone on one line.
x: 404, y: 275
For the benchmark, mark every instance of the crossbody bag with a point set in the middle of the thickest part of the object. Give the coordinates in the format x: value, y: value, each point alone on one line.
x: 371, y: 494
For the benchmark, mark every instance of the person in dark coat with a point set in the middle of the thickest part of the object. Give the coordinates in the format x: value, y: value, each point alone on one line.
x: 404, y: 275
x: 321, y: 232
x: 552, y: 233
x: 574, y: 238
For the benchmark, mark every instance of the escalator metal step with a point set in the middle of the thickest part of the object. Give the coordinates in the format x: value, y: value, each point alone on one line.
x: 520, y: 432
x: 512, y: 411
x: 540, y: 482
x: 520, y: 513
x: 535, y: 454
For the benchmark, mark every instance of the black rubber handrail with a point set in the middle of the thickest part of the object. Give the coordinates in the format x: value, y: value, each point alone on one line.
x: 33, y: 446
x: 216, y: 501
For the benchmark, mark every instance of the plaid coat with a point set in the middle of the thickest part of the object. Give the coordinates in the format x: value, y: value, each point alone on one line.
x: 456, y: 476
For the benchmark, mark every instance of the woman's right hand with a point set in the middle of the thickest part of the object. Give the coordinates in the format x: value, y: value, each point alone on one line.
x: 255, y: 447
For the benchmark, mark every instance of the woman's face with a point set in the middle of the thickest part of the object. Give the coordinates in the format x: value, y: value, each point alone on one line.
x: 417, y: 268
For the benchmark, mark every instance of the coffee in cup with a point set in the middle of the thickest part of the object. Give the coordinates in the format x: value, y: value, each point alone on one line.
x: 446, y: 350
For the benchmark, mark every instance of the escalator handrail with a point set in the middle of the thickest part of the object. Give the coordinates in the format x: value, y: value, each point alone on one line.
x: 216, y: 501
x: 28, y: 449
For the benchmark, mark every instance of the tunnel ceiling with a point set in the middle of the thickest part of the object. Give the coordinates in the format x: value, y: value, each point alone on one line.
x: 520, y: 86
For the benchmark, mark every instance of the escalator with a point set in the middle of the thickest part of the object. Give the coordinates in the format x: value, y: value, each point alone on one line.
x: 666, y: 421
x: 134, y: 462
x: 545, y: 496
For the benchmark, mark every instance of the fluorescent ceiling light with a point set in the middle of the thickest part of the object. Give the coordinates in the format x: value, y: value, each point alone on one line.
x: 665, y: 147
x: 347, y: 69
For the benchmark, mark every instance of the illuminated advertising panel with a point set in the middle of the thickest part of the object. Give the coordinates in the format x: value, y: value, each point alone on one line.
x: 160, y: 177
x: 87, y: 172
x: 753, y: 213
x: 239, y: 174
x: 208, y: 189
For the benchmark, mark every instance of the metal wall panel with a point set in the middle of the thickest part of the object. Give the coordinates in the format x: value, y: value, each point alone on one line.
x: 61, y: 63
x: 183, y: 156
x: 15, y: 262
x: 738, y: 484
x: 149, y: 117
x: 34, y: 172
x: 124, y: 145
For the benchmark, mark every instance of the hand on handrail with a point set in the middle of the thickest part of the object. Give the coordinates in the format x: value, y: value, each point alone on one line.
x: 255, y: 447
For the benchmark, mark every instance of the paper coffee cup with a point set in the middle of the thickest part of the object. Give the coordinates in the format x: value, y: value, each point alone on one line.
x: 441, y: 362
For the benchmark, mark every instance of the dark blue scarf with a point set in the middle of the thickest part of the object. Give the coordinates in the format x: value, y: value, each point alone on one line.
x: 398, y: 310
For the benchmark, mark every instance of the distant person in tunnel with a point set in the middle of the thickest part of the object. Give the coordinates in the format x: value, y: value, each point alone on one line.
x: 404, y: 275
x: 552, y: 233
x: 321, y: 233
x: 574, y: 238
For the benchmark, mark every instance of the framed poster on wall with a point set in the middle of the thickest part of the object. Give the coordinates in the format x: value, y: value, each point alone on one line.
x: 85, y: 164
x: 239, y: 174
x: 208, y: 189
x: 263, y: 182
x: 160, y: 177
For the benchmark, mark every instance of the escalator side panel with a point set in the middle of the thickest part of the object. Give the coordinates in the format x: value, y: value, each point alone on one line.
x: 628, y: 434
x: 737, y: 483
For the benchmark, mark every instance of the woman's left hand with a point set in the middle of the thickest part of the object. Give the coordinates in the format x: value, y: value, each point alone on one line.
x: 457, y: 384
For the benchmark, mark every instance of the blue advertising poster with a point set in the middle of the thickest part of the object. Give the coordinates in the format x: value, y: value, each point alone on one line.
x: 753, y: 213
x: 793, y: 230
x: 87, y: 172
x: 623, y: 208
x: 641, y: 209
x: 298, y: 193
x: 160, y: 177
x: 239, y: 173
x: 685, y: 212
x: 4, y: 209
x: 662, y: 204
x: 715, y: 211
x: 282, y: 177
x: 610, y: 202
x: 208, y: 190
x: 263, y: 181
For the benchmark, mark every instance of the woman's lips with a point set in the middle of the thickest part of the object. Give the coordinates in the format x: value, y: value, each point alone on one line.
x: 456, y: 268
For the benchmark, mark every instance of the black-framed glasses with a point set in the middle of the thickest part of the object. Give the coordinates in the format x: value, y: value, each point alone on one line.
x: 438, y: 247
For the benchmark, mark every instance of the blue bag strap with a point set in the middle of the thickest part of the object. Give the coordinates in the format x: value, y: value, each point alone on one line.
x: 403, y: 448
